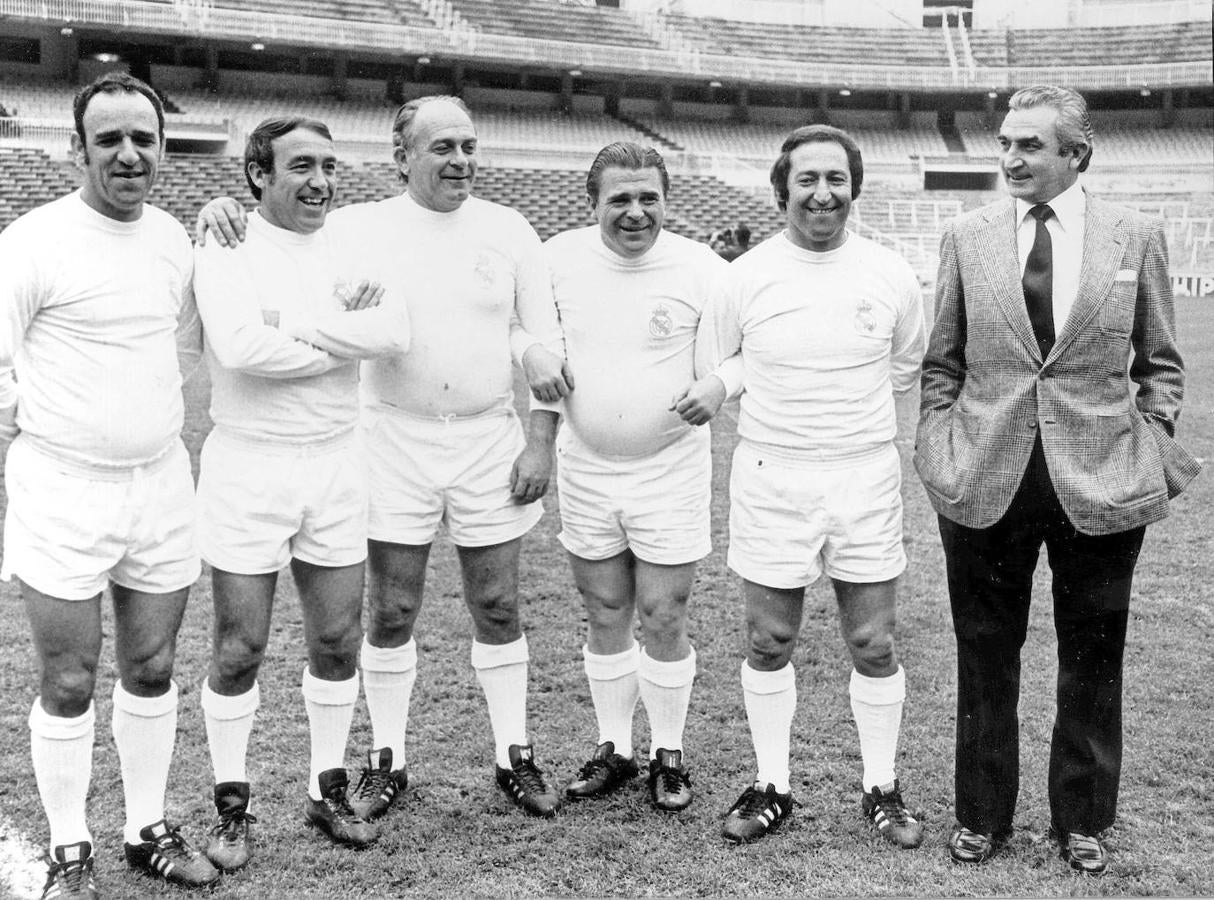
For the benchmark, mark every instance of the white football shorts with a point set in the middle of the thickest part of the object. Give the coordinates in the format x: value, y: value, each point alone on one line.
x: 70, y: 530
x: 657, y: 506
x: 451, y: 471
x: 790, y: 520
x: 260, y: 503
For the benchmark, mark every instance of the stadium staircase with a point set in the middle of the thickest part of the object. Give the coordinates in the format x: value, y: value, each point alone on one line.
x: 648, y: 131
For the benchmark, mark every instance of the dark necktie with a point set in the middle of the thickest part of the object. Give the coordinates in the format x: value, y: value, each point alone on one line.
x: 1038, y: 281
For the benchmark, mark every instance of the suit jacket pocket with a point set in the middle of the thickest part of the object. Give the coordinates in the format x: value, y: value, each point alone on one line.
x: 1179, y: 466
x: 938, y: 458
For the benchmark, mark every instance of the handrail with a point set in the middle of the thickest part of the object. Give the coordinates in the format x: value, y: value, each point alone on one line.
x: 141, y: 15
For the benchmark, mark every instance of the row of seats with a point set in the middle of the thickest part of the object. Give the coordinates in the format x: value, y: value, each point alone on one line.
x: 550, y: 21
x: 367, y: 120
x: 761, y: 141
x: 553, y: 200
x: 394, y: 12
x: 820, y: 45
x: 1111, y: 46
x: 823, y: 45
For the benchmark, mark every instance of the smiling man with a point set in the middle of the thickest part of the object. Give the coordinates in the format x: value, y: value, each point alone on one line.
x: 445, y: 446
x: 97, y: 319
x: 1030, y: 433
x: 287, y: 315
x: 634, y: 472
x: 829, y: 326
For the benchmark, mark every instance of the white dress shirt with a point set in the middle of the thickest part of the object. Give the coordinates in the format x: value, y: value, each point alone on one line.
x: 1066, y: 237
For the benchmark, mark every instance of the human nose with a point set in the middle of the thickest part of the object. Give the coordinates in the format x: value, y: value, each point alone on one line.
x: 821, y: 191
x: 127, y: 153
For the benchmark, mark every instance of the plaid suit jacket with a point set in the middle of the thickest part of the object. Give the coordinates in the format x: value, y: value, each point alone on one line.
x: 987, y: 393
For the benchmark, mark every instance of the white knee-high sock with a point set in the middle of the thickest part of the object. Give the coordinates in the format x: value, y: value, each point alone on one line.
x: 145, y: 729
x: 666, y: 693
x: 229, y: 721
x: 614, y: 691
x: 877, y: 705
x: 388, y: 677
x: 330, y: 706
x: 62, y: 751
x: 771, y: 702
x: 502, y: 671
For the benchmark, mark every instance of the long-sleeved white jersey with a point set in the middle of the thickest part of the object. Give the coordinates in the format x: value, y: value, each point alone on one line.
x: 825, y: 339
x: 98, y: 319
x: 465, y: 275
x: 296, y: 382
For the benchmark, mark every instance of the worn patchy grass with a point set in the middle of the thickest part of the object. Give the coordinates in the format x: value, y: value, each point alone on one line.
x: 455, y: 833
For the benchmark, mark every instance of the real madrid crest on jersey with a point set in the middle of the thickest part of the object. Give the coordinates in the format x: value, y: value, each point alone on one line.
x: 484, y: 270
x: 865, y: 321
x: 660, y: 323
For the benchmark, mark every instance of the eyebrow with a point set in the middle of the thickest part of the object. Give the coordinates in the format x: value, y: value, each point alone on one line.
x: 311, y: 158
x: 1027, y: 139
x: 119, y: 132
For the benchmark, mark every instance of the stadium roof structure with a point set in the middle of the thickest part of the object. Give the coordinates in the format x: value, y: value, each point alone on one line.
x: 665, y: 48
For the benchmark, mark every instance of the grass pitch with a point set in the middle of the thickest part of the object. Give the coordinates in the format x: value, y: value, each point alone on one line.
x: 455, y: 833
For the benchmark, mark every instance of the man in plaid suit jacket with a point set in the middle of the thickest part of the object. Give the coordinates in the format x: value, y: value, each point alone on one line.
x: 1030, y: 432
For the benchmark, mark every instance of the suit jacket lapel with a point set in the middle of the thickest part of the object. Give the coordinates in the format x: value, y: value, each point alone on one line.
x: 996, y: 240
x: 1101, y: 257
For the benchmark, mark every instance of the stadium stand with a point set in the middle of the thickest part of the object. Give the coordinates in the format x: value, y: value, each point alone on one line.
x: 1127, y: 45
x: 548, y: 21
x: 879, y: 46
x: 718, y: 164
x: 344, y: 10
x: 760, y: 141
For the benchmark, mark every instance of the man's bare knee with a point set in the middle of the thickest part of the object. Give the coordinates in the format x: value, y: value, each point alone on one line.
x: 771, y: 647
x: 148, y: 674
x: 235, y: 663
x: 67, y: 692
x: 872, y: 649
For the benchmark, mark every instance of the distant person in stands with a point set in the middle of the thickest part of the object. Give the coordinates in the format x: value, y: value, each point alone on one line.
x: 829, y: 326
x: 741, y: 239
x: 445, y: 446
x: 97, y: 319
x: 730, y: 243
x: 1048, y: 305
x: 286, y: 316
x: 634, y: 470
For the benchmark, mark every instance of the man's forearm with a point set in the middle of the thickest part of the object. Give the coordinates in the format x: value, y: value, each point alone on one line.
x: 541, y: 427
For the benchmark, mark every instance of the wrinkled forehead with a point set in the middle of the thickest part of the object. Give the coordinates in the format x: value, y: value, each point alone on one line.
x: 440, y: 120
x: 302, y: 143
x: 618, y: 181
x: 121, y: 112
x: 818, y: 157
x: 1038, y: 122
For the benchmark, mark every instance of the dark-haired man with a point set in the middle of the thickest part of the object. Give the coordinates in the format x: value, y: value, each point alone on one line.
x: 444, y: 444
x: 97, y: 317
x: 829, y: 326
x: 286, y: 317
x: 1030, y: 434
x: 634, y: 474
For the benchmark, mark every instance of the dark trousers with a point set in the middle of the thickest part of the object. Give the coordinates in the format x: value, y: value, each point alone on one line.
x: 990, y: 579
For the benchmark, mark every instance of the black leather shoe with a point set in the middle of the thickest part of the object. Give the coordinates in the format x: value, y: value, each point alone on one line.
x: 1083, y: 853
x: 605, y: 772
x: 669, y: 784
x: 965, y: 846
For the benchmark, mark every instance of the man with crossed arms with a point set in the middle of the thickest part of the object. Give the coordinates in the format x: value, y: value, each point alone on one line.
x: 283, y: 478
